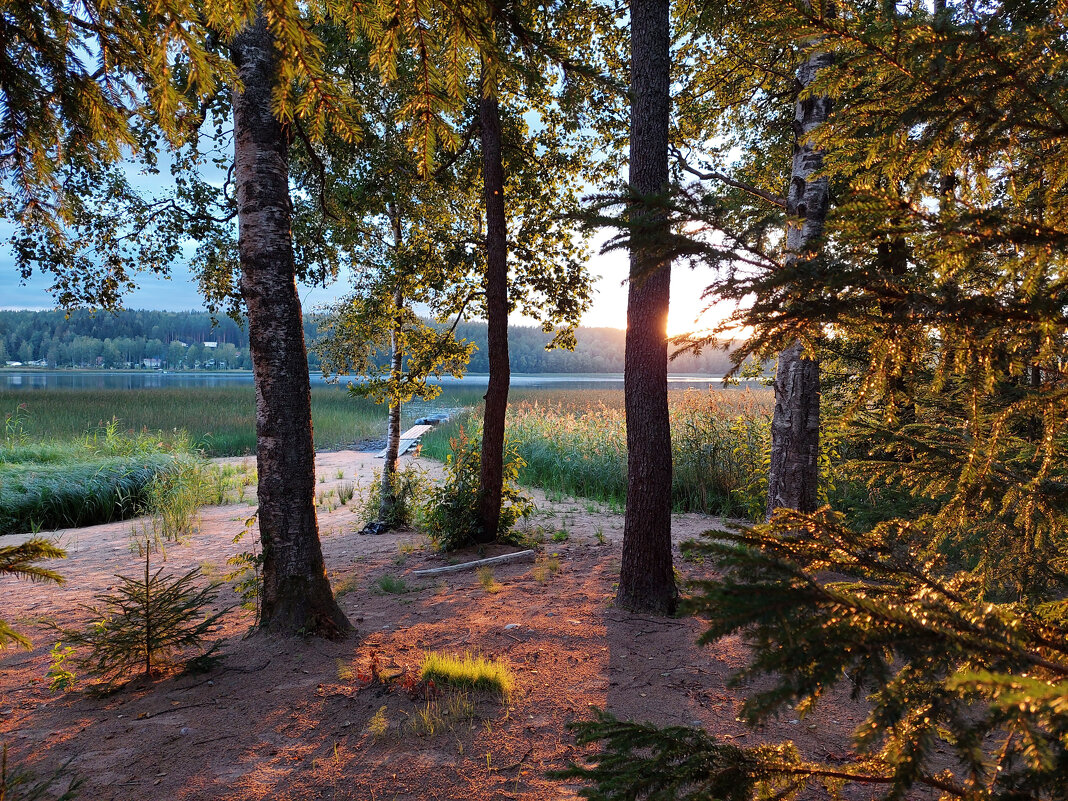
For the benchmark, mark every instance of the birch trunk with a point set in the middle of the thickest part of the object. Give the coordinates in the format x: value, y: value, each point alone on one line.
x: 793, y: 479
x: 491, y: 475
x: 296, y: 593
x: 646, y: 580
x: 387, y: 506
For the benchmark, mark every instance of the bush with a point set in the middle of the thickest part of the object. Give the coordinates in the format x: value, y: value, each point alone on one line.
x: 451, y: 519
x: 409, y: 489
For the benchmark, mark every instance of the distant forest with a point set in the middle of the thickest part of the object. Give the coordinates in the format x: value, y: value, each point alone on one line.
x: 193, y: 341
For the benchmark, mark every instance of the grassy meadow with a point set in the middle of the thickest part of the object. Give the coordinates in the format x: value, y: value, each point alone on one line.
x: 574, y: 443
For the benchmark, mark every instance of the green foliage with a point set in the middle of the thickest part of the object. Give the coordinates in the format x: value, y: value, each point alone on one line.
x: 468, y: 670
x: 247, y: 573
x: 20, y: 561
x: 60, y: 677
x: 451, y: 520
x: 676, y: 764
x: 409, y: 498
x: 21, y: 785
x: 939, y: 291
x: 143, y: 625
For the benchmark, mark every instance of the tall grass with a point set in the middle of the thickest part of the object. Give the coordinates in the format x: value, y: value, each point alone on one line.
x: 220, y: 420
x: 105, y: 475
x: 102, y: 476
x: 574, y: 442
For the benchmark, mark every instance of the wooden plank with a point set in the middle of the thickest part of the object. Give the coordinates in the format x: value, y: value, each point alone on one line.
x: 506, y: 557
x: 407, y: 440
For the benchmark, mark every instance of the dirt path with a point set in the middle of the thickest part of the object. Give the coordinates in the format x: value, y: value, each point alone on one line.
x: 289, y: 718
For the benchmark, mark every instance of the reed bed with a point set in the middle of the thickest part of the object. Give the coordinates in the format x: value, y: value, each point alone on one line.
x: 220, y: 420
x: 574, y: 443
x: 108, y: 474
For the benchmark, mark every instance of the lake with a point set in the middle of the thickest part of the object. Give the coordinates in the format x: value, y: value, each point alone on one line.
x: 150, y: 379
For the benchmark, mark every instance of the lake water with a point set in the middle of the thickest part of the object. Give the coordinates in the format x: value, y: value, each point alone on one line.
x: 147, y: 379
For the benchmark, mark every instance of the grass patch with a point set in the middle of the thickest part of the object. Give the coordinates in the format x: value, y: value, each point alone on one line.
x: 544, y: 569
x: 441, y: 714
x: 488, y: 581
x: 111, y: 474
x: 343, y: 587
x: 468, y: 670
x: 391, y: 585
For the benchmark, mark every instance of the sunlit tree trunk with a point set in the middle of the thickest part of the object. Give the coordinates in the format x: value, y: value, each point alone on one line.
x: 793, y: 479
x: 388, y: 498
x: 492, y: 459
x: 646, y: 580
x: 296, y: 593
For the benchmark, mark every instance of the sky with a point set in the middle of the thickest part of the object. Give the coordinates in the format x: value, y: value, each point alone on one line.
x: 180, y: 292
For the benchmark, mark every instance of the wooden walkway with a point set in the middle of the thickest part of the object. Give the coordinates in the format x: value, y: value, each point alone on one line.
x: 407, y: 440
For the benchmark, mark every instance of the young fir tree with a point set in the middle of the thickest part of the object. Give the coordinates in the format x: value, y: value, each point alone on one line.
x: 948, y: 617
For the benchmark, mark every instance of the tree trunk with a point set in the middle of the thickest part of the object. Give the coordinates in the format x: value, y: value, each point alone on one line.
x: 296, y: 593
x: 646, y: 580
x: 491, y: 475
x: 793, y: 479
x: 388, y: 498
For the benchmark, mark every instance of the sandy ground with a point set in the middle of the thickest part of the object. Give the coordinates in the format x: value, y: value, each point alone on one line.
x: 288, y: 718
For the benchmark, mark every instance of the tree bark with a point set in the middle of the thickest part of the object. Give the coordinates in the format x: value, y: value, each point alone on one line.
x: 491, y: 475
x: 793, y: 479
x: 388, y: 498
x: 646, y: 580
x: 296, y: 594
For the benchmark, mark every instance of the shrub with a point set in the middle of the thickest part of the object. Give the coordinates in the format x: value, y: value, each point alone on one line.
x: 451, y: 519
x: 409, y: 488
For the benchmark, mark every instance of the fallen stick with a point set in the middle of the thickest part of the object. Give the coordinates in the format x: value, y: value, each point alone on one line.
x: 505, y: 557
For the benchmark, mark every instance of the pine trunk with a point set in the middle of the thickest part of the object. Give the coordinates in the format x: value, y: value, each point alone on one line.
x: 793, y: 479
x: 296, y: 594
x: 491, y: 476
x: 646, y: 581
x: 388, y: 499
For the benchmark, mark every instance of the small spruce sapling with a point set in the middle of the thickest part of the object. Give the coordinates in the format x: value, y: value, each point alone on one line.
x: 143, y: 624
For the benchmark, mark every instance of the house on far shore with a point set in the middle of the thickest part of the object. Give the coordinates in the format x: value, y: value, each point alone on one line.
x: 14, y: 364
x: 153, y: 363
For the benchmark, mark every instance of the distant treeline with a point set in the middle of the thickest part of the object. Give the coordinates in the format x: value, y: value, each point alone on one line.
x: 192, y: 341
